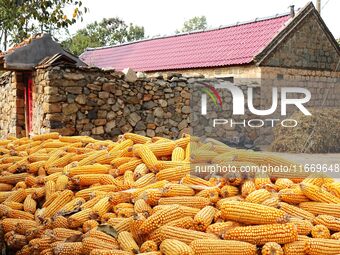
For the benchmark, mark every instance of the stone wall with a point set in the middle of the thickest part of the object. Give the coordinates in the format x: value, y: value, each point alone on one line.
x: 12, y: 116
x: 323, y: 85
x: 103, y: 104
x: 308, y: 47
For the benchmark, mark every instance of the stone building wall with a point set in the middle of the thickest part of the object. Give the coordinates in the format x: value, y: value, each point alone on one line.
x: 323, y: 85
x: 308, y: 47
x: 12, y: 115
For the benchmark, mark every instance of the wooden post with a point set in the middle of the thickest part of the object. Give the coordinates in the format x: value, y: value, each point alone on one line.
x: 318, y: 6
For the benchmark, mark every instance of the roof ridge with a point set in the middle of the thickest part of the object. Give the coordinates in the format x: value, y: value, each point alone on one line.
x: 192, y: 32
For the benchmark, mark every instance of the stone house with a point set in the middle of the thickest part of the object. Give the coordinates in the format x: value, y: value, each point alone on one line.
x: 45, y: 88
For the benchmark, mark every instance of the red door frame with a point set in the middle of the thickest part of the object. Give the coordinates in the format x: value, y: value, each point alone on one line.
x: 28, y: 88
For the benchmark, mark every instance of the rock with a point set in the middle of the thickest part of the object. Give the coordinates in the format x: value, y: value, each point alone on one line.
x: 70, y: 98
x: 109, y: 87
x: 130, y: 75
x: 150, y: 133
x: 55, y: 98
x: 134, y: 118
x: 80, y: 99
x: 92, y: 114
x: 51, y: 108
x: 149, y: 105
x: 158, y: 112
x: 111, y: 115
x: 126, y: 128
x: 94, y: 87
x: 182, y: 124
x: 73, y: 76
x: 103, y: 94
x: 99, y: 122
x: 140, y: 126
x: 118, y: 92
x: 186, y: 109
x: 151, y: 126
x: 141, y: 75
x: 70, y: 108
x: 98, y: 130
x: 163, y: 103
x: 74, y: 90
x: 109, y: 126
x: 101, y: 114
x: 147, y: 97
x: 185, y: 94
x: 86, y: 91
x: 51, y: 90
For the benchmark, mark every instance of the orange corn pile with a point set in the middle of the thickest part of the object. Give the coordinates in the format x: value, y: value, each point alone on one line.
x: 77, y: 195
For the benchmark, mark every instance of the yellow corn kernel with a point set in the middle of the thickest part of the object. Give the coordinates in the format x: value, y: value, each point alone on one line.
x: 211, y: 247
x: 321, y: 231
x: 272, y: 248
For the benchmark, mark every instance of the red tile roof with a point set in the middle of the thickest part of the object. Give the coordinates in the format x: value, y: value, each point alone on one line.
x: 233, y: 45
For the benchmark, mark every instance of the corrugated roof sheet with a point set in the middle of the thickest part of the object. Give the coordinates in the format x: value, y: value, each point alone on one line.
x: 233, y: 45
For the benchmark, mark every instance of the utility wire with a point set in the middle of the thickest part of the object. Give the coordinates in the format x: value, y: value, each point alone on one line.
x: 325, y: 4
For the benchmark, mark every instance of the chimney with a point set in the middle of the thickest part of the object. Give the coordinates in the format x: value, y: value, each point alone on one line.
x: 292, y: 11
x: 318, y: 6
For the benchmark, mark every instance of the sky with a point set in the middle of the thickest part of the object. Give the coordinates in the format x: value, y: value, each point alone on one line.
x: 163, y: 17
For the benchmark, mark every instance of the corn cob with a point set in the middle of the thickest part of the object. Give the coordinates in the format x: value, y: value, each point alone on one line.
x: 140, y: 171
x: 147, y: 156
x: 333, y: 188
x: 30, y: 205
x: 128, y: 166
x: 315, y: 193
x: 13, y: 178
x: 294, y: 248
x: 229, y: 191
x: 101, y: 207
x: 321, y: 231
x: 60, y: 234
x: 181, y: 234
x: 64, y: 197
x: 214, y: 247
x: 221, y: 227
x: 187, y: 211
x: 77, y: 219
x: 293, y: 196
x: 123, y: 225
x: 336, y: 236
x: 332, y: 223
x: 15, y: 241
x: 258, y: 196
x: 162, y: 149
x: 261, y: 234
x: 90, y: 243
x: 296, y: 211
x: 196, y: 202
x: 321, y: 208
x: 61, y: 183
x: 17, y: 196
x: 88, y: 169
x: 171, y: 190
x: 108, y: 252
x: 17, y: 214
x: 304, y: 227
x: 186, y: 222
x: 178, y: 154
x: 61, y: 248
x: 59, y: 222
x: 172, y: 247
x: 89, y: 192
x: 40, y: 244
x: 173, y: 174
x: 14, y: 205
x: 5, y: 187
x: 149, y: 246
x: 48, y: 251
x: 272, y: 248
x: 204, y: 218
x: 102, y: 236
x: 141, y: 206
x: 250, y: 213
x: 283, y: 183
x: 318, y: 246
x: 195, y: 181
x: 154, y: 185
x: 107, y: 216
x: 160, y: 218
x: 127, y: 243
x: 164, y: 164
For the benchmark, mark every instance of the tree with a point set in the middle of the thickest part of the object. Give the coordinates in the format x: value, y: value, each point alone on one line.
x: 21, y: 18
x: 195, y: 23
x: 106, y: 32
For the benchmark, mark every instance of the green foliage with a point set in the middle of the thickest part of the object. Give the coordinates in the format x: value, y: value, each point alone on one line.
x: 195, y: 23
x: 21, y: 18
x: 106, y: 32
